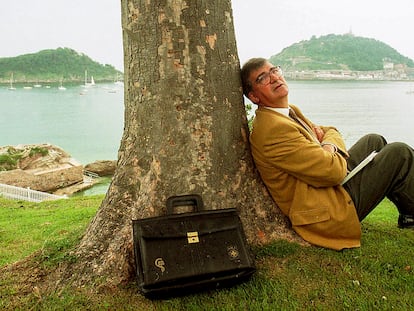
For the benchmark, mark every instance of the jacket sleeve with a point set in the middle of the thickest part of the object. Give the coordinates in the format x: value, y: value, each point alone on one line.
x: 332, y: 135
x: 302, y: 158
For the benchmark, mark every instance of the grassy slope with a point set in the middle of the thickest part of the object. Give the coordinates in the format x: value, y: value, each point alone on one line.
x: 379, y: 275
x: 26, y: 227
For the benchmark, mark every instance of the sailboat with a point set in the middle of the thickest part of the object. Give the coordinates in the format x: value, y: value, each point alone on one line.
x: 117, y: 81
x: 11, y: 87
x: 61, y: 87
x: 87, y: 84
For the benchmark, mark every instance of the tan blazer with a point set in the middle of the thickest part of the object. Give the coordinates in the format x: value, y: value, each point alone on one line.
x: 304, y: 180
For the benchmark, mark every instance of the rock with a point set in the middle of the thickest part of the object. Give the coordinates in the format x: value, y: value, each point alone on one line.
x: 81, y: 186
x: 102, y: 167
x: 39, y: 167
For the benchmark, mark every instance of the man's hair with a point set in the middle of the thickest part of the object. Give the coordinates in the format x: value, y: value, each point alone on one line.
x: 251, y: 65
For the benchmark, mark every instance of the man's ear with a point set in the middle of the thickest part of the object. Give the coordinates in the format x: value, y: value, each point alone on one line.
x: 253, y: 98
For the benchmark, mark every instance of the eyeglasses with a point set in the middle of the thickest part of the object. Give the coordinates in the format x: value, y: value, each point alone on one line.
x: 264, y: 78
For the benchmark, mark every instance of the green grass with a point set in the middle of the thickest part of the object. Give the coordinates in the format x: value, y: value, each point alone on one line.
x: 377, y: 276
x: 26, y: 227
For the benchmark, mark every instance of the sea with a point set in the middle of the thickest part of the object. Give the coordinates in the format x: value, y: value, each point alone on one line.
x: 88, y: 122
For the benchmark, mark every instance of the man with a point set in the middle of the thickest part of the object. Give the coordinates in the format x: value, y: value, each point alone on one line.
x: 303, y: 166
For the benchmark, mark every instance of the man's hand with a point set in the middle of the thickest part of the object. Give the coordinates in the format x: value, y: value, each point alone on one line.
x: 329, y: 147
x: 318, y: 132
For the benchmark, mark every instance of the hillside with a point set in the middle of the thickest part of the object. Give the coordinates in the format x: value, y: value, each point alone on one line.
x: 54, y: 65
x: 339, y: 52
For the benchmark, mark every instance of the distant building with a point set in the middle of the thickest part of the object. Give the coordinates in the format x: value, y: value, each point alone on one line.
x: 387, y: 64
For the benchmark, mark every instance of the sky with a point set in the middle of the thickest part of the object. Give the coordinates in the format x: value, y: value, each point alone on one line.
x: 263, y: 27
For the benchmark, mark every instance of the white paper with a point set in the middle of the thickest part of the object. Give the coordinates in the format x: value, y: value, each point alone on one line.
x: 360, y: 166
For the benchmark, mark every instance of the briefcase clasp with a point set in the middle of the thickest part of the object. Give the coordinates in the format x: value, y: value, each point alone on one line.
x: 192, y: 237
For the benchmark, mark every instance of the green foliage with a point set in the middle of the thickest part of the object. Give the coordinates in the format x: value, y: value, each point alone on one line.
x: 344, y: 52
x: 54, y: 65
x: 9, y: 160
x: 250, y: 114
x: 38, y: 150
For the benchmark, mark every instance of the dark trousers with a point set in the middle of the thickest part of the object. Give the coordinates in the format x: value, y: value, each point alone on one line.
x: 390, y: 174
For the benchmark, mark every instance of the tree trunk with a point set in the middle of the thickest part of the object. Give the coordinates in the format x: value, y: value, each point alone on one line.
x: 185, y: 132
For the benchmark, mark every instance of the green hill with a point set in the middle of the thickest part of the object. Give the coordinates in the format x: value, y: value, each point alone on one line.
x: 339, y: 52
x: 54, y: 65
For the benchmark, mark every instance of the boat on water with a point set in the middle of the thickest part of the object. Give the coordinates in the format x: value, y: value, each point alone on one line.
x: 117, y: 81
x: 61, y: 87
x: 88, y: 84
x: 11, y: 87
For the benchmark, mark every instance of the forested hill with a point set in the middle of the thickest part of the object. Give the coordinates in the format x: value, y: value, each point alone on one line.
x: 333, y: 52
x: 54, y: 65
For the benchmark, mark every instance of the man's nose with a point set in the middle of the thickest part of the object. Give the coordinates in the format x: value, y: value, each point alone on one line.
x: 273, y: 78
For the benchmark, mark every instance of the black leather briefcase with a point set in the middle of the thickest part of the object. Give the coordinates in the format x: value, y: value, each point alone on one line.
x: 183, y: 253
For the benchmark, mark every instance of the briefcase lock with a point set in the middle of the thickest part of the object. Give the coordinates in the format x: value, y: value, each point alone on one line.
x: 192, y: 237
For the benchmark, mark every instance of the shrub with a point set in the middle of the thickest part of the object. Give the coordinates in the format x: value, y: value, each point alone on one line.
x: 38, y: 150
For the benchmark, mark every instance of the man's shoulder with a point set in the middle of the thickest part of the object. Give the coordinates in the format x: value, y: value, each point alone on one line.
x: 270, y: 118
x: 270, y: 125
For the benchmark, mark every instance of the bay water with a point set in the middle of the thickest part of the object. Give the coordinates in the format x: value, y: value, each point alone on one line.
x: 357, y: 108
x: 85, y: 122
x: 88, y: 122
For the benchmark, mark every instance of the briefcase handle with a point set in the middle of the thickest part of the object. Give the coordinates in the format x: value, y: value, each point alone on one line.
x: 194, y: 200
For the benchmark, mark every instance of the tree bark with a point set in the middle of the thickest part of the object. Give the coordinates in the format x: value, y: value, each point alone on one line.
x: 185, y: 132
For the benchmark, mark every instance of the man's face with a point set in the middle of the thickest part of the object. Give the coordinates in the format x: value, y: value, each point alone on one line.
x: 268, y: 87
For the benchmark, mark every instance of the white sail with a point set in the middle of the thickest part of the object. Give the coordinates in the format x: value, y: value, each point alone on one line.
x: 88, y: 84
x: 11, y: 87
x: 61, y: 87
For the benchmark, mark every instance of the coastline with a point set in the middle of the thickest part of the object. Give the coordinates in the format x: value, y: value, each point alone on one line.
x: 348, y: 75
x: 41, y: 82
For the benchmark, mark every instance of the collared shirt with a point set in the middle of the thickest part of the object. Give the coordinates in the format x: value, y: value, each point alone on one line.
x: 284, y: 111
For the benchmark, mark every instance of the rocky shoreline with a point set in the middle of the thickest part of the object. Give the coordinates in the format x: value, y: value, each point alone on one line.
x: 48, y: 168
